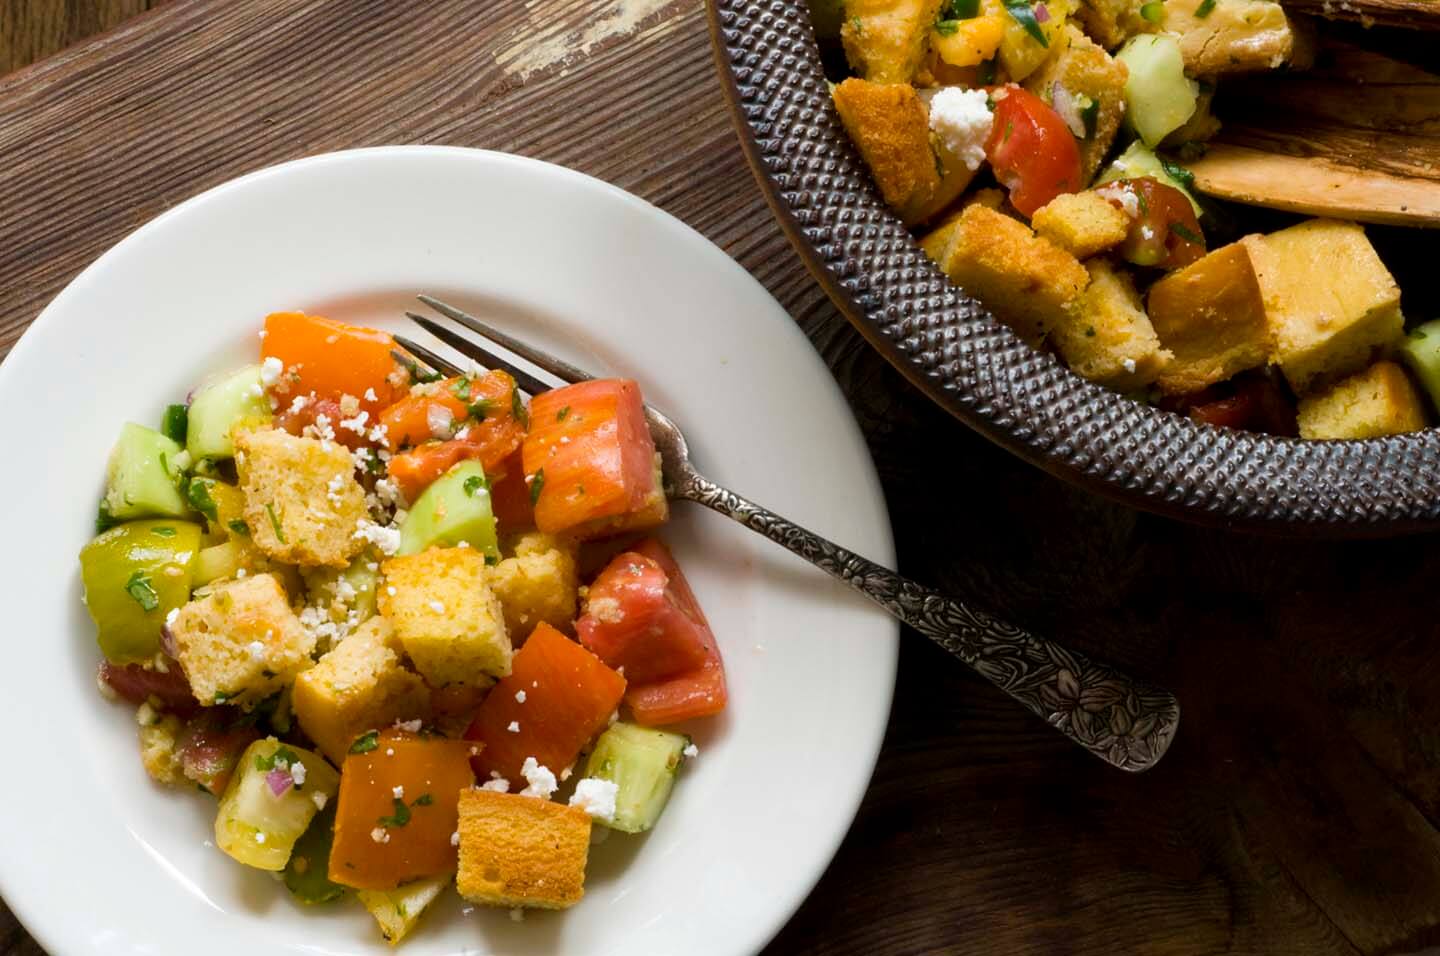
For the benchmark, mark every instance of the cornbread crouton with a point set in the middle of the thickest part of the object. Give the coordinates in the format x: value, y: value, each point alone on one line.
x: 1330, y: 302
x: 1112, y: 22
x: 891, y: 129
x: 241, y: 643
x: 157, y: 751
x: 1238, y: 36
x: 398, y: 910
x: 1082, y: 224
x: 1028, y: 282
x: 1378, y: 401
x: 938, y: 239
x: 302, y: 502
x: 1110, y: 339
x: 885, y: 39
x: 538, y: 583
x: 521, y: 851
x: 1084, y: 69
x: 361, y: 685
x: 447, y: 618
x: 1210, y: 315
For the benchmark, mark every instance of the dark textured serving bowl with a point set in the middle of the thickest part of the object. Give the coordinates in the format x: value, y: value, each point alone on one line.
x: 975, y: 367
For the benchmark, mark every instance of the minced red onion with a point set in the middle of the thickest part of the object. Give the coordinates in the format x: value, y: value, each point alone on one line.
x: 441, y: 421
x: 279, y: 781
x: 1042, y: 15
x: 167, y: 642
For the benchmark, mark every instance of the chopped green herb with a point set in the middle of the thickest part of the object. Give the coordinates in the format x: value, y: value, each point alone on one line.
x: 946, y: 28
x: 1183, y: 231
x: 418, y: 375
x: 164, y: 531
x: 962, y: 9
x: 1154, y: 11
x: 104, y: 521
x: 1178, y: 173
x: 517, y: 408
x: 175, y: 423
x: 283, y: 756
x: 985, y: 75
x: 1090, y: 331
x: 479, y: 410
x: 222, y: 696
x: 1090, y: 115
x: 856, y: 25
x: 473, y: 484
x: 366, y: 742
x: 139, y: 588
x: 165, y: 463
x: 536, y: 484
x: 275, y: 523
x: 461, y: 388
x: 1205, y: 9
x: 491, y: 560
x: 1416, y: 333
x: 1141, y: 202
x: 1024, y: 15
x: 424, y: 800
x: 560, y: 415
x: 198, y: 491
x: 1009, y: 128
x: 400, y: 817
x: 239, y: 527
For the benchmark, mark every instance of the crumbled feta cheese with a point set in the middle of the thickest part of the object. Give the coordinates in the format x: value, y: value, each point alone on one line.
x: 356, y: 424
x: 380, y: 436
x: 106, y: 690
x: 387, y: 491
x: 463, y: 433
x: 596, y: 797
x: 259, y: 837
x: 541, y: 781
x: 370, y: 395
x: 240, y: 573
x: 299, y: 403
x: 389, y: 751
x: 298, y: 773
x: 455, y: 838
x: 411, y: 726
x: 606, y: 609
x: 145, y: 715
x: 1128, y: 202
x: 437, y: 606
x: 171, y: 615
x: 499, y: 785
x: 270, y: 371
x: 1129, y: 365
x: 514, y: 727
x: 255, y: 390
x: 390, y: 590
x: 520, y: 697
x: 319, y: 799
x: 322, y: 428
x: 691, y: 751
x: 961, y: 121
x: 387, y: 540
x: 257, y: 650
x: 440, y: 420
x: 398, y: 792
x: 380, y: 835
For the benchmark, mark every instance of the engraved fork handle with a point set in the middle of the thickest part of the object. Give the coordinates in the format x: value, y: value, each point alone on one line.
x: 1125, y: 722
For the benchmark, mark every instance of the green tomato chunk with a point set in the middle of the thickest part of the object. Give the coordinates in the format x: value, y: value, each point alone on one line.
x: 134, y: 575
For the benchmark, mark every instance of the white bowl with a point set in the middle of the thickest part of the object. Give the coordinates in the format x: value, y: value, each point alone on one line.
x: 96, y: 859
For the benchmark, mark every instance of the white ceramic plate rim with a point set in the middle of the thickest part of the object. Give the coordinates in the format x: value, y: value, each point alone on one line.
x: 53, y: 905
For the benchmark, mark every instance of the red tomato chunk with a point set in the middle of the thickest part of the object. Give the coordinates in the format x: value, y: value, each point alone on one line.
x: 633, y: 619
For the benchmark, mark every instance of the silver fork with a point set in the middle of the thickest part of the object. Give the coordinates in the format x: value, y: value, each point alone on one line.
x: 1126, y: 722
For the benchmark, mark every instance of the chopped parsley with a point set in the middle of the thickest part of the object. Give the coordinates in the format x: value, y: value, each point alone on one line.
x: 536, y: 484
x: 856, y: 25
x: 461, y: 388
x: 479, y: 410
x: 1205, y: 9
x: 473, y: 484
x: 175, y: 423
x: 198, y: 491
x: 1009, y: 128
x: 491, y: 560
x: 283, y: 756
x: 366, y: 742
x: 1416, y: 333
x: 1090, y: 115
x: 139, y: 588
x: 164, y: 531
x: 961, y: 9
x: 221, y: 696
x: 104, y: 520
x: 1183, y: 231
x: 239, y: 527
x: 1090, y: 331
x: 1024, y: 14
x: 561, y: 415
x: 418, y: 375
x: 517, y: 408
x: 946, y: 28
x: 1154, y: 11
x: 424, y: 800
x: 1179, y: 173
x: 1141, y: 202
x: 275, y: 523
x: 400, y: 817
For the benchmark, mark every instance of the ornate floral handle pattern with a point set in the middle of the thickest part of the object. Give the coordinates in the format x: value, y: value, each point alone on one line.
x: 1122, y: 721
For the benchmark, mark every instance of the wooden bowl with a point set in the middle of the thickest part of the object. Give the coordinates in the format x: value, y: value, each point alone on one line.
x: 975, y: 367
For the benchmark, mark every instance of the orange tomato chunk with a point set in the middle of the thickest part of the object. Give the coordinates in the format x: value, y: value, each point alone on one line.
x: 331, y: 359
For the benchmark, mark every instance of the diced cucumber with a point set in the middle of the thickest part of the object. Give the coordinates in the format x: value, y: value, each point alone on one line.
x: 216, y: 562
x: 641, y: 762
x: 258, y: 828
x: 398, y: 910
x: 176, y: 423
x: 455, y: 508
x: 142, y: 478
x: 134, y: 575
x: 1138, y: 161
x: 1159, y: 97
x: 235, y: 399
x: 307, y: 874
x: 1421, y: 353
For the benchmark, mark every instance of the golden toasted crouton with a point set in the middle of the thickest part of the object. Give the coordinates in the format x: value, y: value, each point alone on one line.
x: 1082, y: 224
x: 1112, y: 22
x: 1211, y: 317
x: 1237, y: 36
x: 538, y: 583
x: 1110, y: 339
x: 446, y: 616
x: 241, y: 643
x: 885, y: 39
x: 1378, y: 401
x: 158, y: 754
x: 891, y: 129
x: 302, y: 502
x: 521, y: 851
x: 359, y: 686
x: 1331, y: 303
x: 398, y: 910
x: 1028, y: 282
x: 938, y: 239
x: 1084, y: 69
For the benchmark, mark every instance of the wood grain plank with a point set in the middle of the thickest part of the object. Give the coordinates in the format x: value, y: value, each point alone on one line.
x: 33, y: 29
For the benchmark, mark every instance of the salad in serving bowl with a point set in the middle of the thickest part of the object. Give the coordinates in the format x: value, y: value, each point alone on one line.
x: 345, y: 597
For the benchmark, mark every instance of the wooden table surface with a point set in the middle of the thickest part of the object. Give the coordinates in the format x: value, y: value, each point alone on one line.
x: 1296, y: 812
